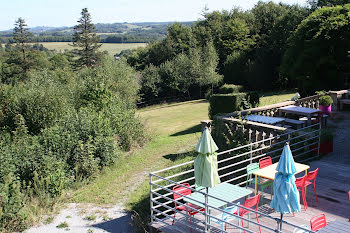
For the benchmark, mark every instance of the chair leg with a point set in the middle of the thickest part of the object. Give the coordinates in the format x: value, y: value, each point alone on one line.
x: 257, y: 219
x: 243, y: 225
x: 315, y: 191
x: 304, y: 198
x: 191, y: 222
x: 174, y: 218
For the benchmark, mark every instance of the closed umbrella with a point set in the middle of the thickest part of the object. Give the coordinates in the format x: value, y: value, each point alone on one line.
x: 286, y: 196
x: 206, y: 165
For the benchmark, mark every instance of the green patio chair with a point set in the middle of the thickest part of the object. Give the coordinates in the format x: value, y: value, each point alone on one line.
x: 262, y: 182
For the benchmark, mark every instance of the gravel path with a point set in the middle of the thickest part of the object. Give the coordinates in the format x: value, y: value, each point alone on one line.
x: 87, y: 218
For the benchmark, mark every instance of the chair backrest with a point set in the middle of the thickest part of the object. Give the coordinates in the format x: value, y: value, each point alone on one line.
x: 252, y: 168
x: 349, y: 197
x: 249, y: 203
x: 300, y: 182
x: 181, y: 190
x: 265, y: 161
x: 312, y: 175
x: 317, y: 222
x: 231, y: 210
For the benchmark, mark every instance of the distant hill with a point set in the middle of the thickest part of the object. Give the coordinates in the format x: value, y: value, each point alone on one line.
x: 109, y: 32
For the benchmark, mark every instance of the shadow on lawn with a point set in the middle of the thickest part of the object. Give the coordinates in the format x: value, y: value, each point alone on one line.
x: 193, y: 129
x: 180, y: 156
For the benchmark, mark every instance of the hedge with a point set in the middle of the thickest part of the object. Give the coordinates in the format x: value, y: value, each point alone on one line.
x: 230, y: 88
x: 226, y: 103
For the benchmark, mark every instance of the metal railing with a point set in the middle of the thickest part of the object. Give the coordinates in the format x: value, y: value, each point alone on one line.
x: 304, y: 144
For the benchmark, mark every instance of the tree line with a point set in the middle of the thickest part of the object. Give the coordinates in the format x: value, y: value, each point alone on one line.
x: 261, y: 48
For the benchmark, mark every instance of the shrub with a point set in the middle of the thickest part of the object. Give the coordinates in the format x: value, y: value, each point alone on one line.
x: 226, y: 103
x: 230, y: 88
x: 326, y: 100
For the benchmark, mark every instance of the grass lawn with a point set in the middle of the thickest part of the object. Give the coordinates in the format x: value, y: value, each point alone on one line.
x: 175, y: 131
x: 111, y: 48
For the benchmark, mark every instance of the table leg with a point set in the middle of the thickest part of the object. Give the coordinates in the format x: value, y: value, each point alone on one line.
x: 256, y: 184
x: 305, y: 186
x: 308, y: 119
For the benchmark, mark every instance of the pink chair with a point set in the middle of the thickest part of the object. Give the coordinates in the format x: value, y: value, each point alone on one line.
x: 249, y: 203
x: 265, y: 161
x: 311, y: 179
x: 180, y: 192
x: 318, y: 222
x: 300, y: 183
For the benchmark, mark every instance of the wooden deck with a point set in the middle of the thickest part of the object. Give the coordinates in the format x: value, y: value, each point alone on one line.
x: 332, y: 186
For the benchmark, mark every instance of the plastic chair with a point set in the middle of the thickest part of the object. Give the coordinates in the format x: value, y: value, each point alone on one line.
x: 297, y: 230
x: 249, y: 203
x: 318, y: 222
x: 265, y: 161
x: 224, y: 217
x: 300, y: 183
x: 184, y: 191
x: 349, y: 201
x: 262, y: 182
x: 311, y: 179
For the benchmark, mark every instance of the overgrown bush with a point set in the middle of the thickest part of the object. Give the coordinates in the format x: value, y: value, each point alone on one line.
x: 59, y: 127
x: 230, y: 88
x: 226, y: 103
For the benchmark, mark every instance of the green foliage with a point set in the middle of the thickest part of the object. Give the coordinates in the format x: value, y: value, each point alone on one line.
x: 87, y: 40
x: 317, y: 55
x: 225, y: 103
x: 230, y: 88
x: 62, y: 126
x: 12, y: 213
x: 231, y: 102
x: 326, y: 100
x: 326, y: 135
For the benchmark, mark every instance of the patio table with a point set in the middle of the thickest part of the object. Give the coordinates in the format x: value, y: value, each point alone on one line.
x: 265, y: 119
x: 225, y: 191
x: 270, y: 171
x: 337, y: 226
x: 308, y: 112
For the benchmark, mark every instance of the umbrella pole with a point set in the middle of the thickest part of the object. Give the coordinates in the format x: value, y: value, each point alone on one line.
x: 281, y: 223
x: 206, y: 210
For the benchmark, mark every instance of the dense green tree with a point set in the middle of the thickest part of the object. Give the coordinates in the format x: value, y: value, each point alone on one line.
x: 320, y: 3
x: 86, y: 41
x: 318, y: 53
x: 21, y: 37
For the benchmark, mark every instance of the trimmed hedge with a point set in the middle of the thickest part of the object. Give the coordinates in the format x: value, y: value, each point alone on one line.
x: 230, y: 88
x: 226, y: 103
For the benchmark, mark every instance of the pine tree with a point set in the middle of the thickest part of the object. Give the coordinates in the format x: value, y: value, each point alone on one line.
x: 21, y: 36
x: 86, y: 41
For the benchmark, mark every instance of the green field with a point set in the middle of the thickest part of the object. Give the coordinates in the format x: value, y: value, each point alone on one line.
x: 111, y: 48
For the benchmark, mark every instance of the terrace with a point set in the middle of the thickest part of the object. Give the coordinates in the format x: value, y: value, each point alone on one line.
x: 332, y: 182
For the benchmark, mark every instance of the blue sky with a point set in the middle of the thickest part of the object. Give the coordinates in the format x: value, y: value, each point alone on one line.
x: 66, y: 12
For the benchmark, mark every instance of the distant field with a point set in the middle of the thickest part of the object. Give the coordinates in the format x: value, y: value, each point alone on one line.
x: 111, y: 48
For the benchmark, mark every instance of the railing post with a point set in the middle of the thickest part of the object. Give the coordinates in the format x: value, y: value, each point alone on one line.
x: 206, y: 229
x: 151, y: 196
x: 251, y: 152
x: 319, y: 140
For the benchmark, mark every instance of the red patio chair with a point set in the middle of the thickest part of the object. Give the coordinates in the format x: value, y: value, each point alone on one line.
x: 265, y: 161
x: 349, y: 201
x: 249, y: 203
x: 300, y: 183
x: 311, y: 179
x: 184, y: 191
x: 318, y: 222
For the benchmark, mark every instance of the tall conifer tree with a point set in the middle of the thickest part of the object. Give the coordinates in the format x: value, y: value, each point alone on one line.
x: 86, y: 41
x: 21, y: 36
